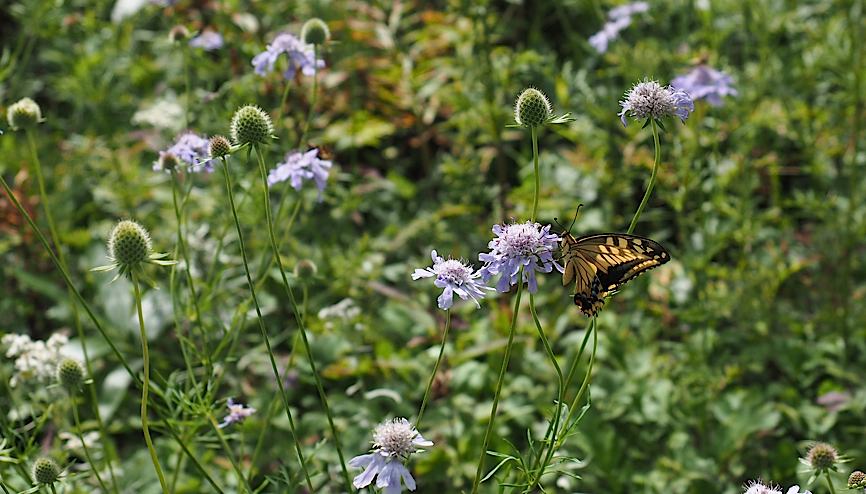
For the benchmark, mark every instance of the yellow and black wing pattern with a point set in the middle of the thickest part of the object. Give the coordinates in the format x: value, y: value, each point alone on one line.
x: 599, y: 265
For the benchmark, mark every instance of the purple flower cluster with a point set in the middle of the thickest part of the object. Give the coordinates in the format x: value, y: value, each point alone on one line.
x: 237, y: 413
x: 649, y: 99
x: 299, y: 167
x: 300, y: 56
x: 706, y: 83
x: 618, y: 19
x: 454, y: 277
x: 208, y: 41
x: 190, y: 148
x: 520, y: 245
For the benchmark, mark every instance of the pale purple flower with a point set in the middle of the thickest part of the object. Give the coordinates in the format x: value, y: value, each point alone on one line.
x: 707, y: 83
x: 758, y: 487
x: 393, y: 442
x: 208, y: 41
x: 237, y: 413
x: 192, y: 149
x: 299, y: 167
x: 649, y: 99
x: 454, y: 277
x: 618, y: 19
x: 834, y: 400
x: 519, y: 245
x: 300, y: 56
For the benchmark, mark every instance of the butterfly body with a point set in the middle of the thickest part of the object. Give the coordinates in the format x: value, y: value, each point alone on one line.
x: 599, y: 265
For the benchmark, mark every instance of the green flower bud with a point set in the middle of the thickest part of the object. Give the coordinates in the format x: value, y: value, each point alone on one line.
x: 857, y: 480
x: 129, y: 245
x: 24, y: 114
x: 305, y: 268
x: 251, y: 125
x: 45, y: 470
x: 178, y: 33
x: 315, y: 32
x: 822, y: 456
x: 532, y: 109
x: 168, y: 162
x: 219, y: 147
x: 70, y: 374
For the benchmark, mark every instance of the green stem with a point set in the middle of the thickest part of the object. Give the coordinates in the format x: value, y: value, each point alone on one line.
x: 53, y: 490
x: 185, y: 54
x: 829, y: 482
x: 583, y: 387
x: 435, y: 368
x: 300, y: 321
x: 78, y: 429
x: 505, y: 358
x: 652, y: 181
x: 313, y: 98
x: 264, y: 329
x: 533, y: 131
x: 241, y: 478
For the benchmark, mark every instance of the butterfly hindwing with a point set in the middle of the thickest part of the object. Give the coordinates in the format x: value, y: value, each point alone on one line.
x: 599, y: 265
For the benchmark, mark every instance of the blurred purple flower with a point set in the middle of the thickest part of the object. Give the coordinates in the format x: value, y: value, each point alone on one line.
x: 237, y: 413
x: 300, y: 55
x: 649, y: 99
x: 208, y: 41
x: 299, y: 167
x: 454, y: 277
x: 707, y: 83
x: 628, y: 10
x: 834, y: 400
x: 618, y: 19
x: 519, y: 245
x: 191, y: 148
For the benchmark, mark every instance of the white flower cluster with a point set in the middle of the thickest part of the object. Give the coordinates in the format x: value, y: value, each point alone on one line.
x: 34, y: 360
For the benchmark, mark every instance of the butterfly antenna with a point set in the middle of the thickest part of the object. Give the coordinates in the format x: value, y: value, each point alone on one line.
x: 556, y: 220
x: 575, y: 217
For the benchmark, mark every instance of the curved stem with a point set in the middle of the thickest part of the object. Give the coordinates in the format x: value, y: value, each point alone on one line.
x: 313, y: 98
x: 264, y: 329
x: 300, y: 321
x: 829, y: 482
x: 652, y: 181
x: 145, y: 355
x: 534, y: 132
x: 435, y: 368
x: 505, y: 358
x: 80, y: 433
x: 222, y: 439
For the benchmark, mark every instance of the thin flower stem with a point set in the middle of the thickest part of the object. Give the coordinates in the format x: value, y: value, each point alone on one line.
x: 505, y: 358
x: 222, y: 439
x: 53, y: 490
x: 80, y: 433
x: 583, y: 387
x: 300, y: 321
x: 652, y: 181
x: 313, y: 97
x: 264, y: 329
x: 145, y: 387
x: 435, y: 369
x: 534, y: 132
x: 185, y: 53
x: 76, y: 316
x: 829, y: 482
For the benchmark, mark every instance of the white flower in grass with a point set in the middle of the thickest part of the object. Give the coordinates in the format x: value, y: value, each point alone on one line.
x: 758, y: 487
x: 237, y: 413
x: 454, y: 277
x: 393, y: 442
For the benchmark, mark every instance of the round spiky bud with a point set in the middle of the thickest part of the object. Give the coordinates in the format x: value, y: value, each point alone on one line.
x: 532, y: 108
x: 305, y: 268
x: 219, y: 147
x: 45, y: 470
x: 822, y: 456
x: 24, y: 114
x: 70, y: 374
x: 251, y: 125
x: 315, y: 32
x: 129, y: 245
x: 168, y: 161
x: 857, y: 480
x: 178, y: 33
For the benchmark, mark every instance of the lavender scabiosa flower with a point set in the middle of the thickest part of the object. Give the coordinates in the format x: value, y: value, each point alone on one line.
x: 454, y: 277
x: 192, y: 149
x: 208, y: 41
x: 237, y: 413
x: 758, y: 487
x: 650, y: 100
x: 704, y: 82
x: 618, y: 19
x: 299, y: 167
x: 520, y: 245
x: 393, y: 442
x: 300, y: 55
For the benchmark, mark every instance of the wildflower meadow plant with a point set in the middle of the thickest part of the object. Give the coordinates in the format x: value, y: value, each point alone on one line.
x: 394, y: 441
x: 706, y: 83
x: 618, y: 19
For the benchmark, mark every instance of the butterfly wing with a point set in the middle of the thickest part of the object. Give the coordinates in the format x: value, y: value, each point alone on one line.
x: 599, y: 265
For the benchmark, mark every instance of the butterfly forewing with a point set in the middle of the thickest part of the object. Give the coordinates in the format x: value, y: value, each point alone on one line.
x: 599, y: 264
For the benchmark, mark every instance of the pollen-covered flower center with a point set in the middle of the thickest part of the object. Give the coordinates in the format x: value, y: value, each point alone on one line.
x: 395, y: 437
x: 650, y: 99
x: 520, y: 240
x: 453, y: 271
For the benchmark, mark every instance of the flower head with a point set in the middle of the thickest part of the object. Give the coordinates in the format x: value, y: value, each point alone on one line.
x: 618, y: 19
x: 650, y: 100
x: 454, y: 277
x: 393, y: 442
x: 129, y: 249
x: 300, y: 55
x: 70, y: 374
x: 178, y: 33
x: 822, y: 457
x: 315, y: 32
x: 45, y: 470
x: 857, y: 480
x: 190, y: 148
x: 207, y: 41
x: 519, y: 245
x: 758, y: 487
x: 251, y: 125
x: 237, y: 413
x: 299, y: 167
x: 532, y: 108
x: 707, y: 83
x: 34, y: 360
x: 219, y: 147
x: 24, y: 114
